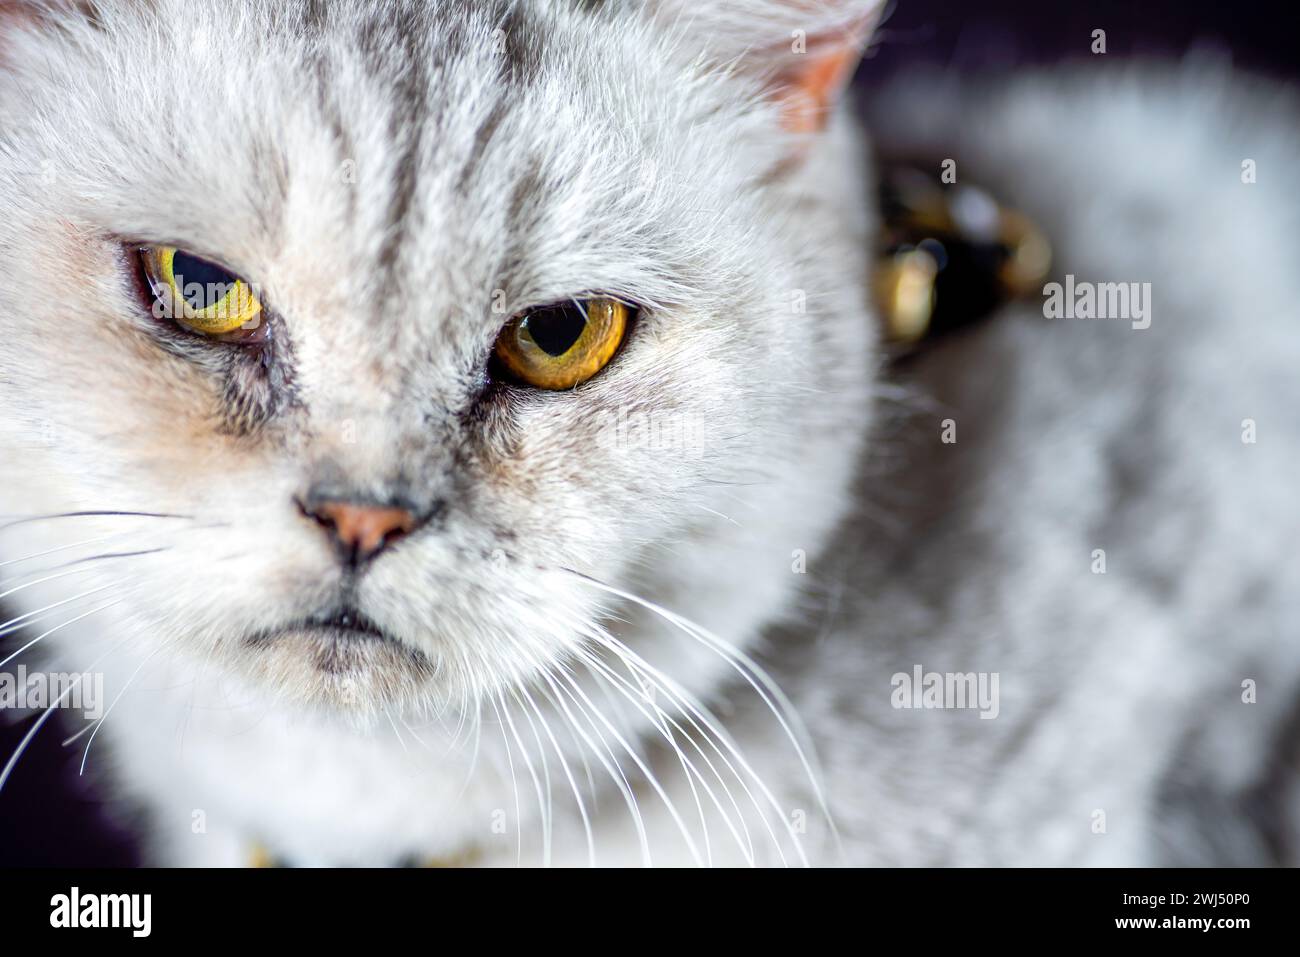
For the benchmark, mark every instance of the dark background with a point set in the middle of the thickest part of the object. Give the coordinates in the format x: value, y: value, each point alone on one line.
x: 49, y: 816
x: 979, y: 35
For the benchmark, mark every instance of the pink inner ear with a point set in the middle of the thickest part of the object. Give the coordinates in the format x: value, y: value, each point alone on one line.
x: 811, y: 81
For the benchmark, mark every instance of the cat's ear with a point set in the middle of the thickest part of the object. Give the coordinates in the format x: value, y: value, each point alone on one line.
x: 810, y: 66
x: 803, y: 51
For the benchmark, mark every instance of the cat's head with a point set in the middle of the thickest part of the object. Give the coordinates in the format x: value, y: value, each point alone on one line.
x: 372, y: 429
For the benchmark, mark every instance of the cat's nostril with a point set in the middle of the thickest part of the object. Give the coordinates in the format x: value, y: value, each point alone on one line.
x: 360, y: 531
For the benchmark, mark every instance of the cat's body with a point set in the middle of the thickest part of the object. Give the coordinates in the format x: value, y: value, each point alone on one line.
x: 1121, y: 692
x: 770, y: 510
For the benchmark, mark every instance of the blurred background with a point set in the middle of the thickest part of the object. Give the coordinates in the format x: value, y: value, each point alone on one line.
x: 49, y: 816
x: 996, y: 35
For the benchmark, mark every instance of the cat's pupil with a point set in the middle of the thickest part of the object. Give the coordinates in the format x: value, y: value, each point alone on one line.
x: 556, y: 329
x: 200, y: 282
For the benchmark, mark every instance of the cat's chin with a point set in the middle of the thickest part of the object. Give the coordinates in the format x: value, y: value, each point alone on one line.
x: 351, y: 666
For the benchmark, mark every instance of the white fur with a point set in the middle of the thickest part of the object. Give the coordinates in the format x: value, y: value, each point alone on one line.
x: 651, y: 157
x: 643, y: 185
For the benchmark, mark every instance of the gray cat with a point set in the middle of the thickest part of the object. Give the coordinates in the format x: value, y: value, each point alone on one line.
x: 456, y: 432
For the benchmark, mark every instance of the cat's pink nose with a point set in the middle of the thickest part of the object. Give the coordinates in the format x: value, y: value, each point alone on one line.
x: 360, y: 532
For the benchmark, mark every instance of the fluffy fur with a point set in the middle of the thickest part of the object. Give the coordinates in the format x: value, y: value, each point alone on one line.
x: 400, y: 178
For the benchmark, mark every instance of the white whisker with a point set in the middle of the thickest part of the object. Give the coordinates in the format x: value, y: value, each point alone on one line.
x: 743, y: 840
x: 12, y: 625
x: 59, y: 627
x: 537, y: 785
x: 564, y: 766
x: 100, y: 723
x: 519, y: 831
x: 48, y: 713
x: 611, y: 765
x: 41, y: 581
x: 393, y: 724
x: 57, y: 548
x: 649, y: 776
x: 757, y: 678
x: 691, y: 773
x: 713, y: 733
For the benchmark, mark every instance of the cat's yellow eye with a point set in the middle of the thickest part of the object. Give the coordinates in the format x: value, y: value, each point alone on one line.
x: 563, y: 345
x: 198, y: 294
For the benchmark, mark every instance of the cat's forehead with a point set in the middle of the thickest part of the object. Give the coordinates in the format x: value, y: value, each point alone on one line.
x: 399, y: 179
x: 481, y: 155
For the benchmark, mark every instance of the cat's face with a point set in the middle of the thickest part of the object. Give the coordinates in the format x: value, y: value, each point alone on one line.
x: 396, y: 186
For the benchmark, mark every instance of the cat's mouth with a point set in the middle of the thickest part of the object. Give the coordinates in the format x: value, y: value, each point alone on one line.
x: 339, y: 656
x: 342, y: 625
x: 345, y: 625
x: 338, y: 639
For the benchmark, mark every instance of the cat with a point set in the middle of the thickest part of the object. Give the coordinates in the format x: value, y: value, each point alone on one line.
x: 375, y: 574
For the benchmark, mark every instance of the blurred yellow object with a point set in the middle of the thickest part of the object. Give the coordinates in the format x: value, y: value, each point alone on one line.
x: 905, y: 292
x: 949, y: 255
x: 259, y: 857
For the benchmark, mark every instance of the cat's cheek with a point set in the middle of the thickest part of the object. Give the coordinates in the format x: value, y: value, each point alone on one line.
x: 84, y: 331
